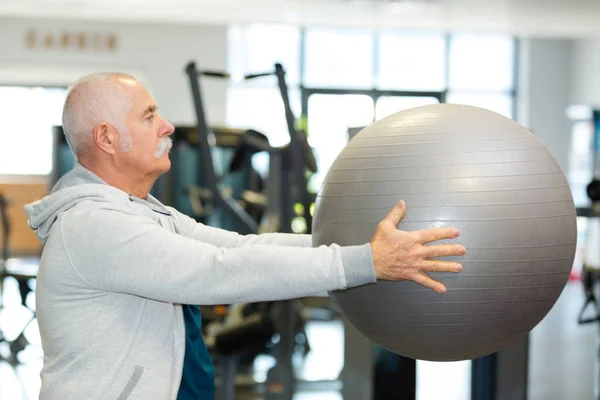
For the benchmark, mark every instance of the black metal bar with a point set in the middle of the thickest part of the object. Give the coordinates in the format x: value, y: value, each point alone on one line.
x: 293, y: 162
x: 407, y: 378
x: 373, y: 92
x: 304, y: 94
x: 215, y: 74
x: 396, y: 93
x: 203, y: 142
x: 513, y: 370
x: 231, y: 207
x: 298, y: 153
x: 280, y: 378
x: 484, y: 371
x: 253, y: 76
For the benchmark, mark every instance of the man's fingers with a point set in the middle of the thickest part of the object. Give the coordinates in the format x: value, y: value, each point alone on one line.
x: 397, y: 213
x: 433, y: 234
x: 440, y: 266
x: 442, y: 250
x: 425, y: 280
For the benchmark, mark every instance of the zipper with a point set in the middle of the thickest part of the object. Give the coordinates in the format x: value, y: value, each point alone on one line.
x: 132, y: 198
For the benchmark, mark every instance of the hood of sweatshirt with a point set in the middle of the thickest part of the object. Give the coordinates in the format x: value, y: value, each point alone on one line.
x: 78, y: 185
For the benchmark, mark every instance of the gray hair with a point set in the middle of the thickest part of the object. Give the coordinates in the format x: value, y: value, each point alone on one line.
x: 96, y: 98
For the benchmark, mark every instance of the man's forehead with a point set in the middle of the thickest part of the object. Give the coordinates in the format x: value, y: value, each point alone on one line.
x: 143, y: 102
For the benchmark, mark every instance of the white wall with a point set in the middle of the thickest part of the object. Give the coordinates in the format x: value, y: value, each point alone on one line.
x: 544, y: 93
x: 157, y: 54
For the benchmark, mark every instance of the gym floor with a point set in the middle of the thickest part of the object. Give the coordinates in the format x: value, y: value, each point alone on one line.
x: 562, y: 357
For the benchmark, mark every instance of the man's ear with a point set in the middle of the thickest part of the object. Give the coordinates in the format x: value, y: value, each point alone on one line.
x: 105, y: 138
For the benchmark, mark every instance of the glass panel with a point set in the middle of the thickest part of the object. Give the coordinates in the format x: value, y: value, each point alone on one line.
x: 29, y: 113
x: 581, y: 163
x: 452, y: 380
x: 339, y: 58
x: 256, y: 48
x: 388, y: 105
x: 500, y: 103
x: 329, y: 118
x: 412, y: 61
x: 481, y: 62
x: 261, y: 109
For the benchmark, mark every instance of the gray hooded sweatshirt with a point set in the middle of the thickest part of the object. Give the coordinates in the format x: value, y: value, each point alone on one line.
x: 115, y: 270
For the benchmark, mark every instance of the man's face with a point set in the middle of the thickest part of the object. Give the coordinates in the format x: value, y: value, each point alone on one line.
x: 148, y: 132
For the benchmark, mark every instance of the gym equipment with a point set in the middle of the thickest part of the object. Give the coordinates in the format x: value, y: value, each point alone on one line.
x: 182, y: 187
x: 590, y: 275
x: 63, y: 158
x: 185, y: 188
x: 472, y: 169
x: 286, y: 187
x: 23, y: 275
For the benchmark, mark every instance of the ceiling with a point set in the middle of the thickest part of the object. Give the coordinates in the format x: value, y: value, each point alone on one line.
x: 556, y: 18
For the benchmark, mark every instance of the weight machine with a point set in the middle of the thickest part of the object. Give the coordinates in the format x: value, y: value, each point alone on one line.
x: 286, y: 186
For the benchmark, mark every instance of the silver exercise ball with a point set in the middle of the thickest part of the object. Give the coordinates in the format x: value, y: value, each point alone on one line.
x: 468, y: 168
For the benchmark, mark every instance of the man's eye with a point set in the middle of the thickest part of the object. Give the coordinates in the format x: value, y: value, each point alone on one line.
x: 150, y: 118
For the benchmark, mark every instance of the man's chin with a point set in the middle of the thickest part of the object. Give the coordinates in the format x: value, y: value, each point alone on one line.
x: 165, y: 162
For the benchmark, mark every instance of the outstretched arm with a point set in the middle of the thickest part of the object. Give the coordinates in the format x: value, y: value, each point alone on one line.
x: 135, y: 255
x: 224, y: 238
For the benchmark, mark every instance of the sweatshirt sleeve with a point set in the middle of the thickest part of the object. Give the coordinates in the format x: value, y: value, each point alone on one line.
x: 357, y: 273
x: 135, y: 255
x: 224, y: 238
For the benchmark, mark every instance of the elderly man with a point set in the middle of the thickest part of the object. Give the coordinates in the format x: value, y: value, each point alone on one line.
x: 120, y: 272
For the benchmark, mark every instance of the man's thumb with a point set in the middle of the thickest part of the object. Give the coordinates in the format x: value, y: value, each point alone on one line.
x: 397, y: 213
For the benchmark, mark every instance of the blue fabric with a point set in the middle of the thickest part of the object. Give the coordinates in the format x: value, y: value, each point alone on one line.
x: 198, y: 380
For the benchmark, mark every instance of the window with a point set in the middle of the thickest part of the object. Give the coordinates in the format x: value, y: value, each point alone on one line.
x: 468, y: 69
x: 583, y: 123
x: 256, y: 103
x: 481, y: 72
x: 347, y: 78
x: 452, y: 380
x: 256, y: 48
x: 261, y: 109
x: 26, y: 142
x: 481, y: 62
x: 337, y: 58
x: 411, y: 61
x: 388, y: 105
x: 330, y: 117
x: 498, y: 102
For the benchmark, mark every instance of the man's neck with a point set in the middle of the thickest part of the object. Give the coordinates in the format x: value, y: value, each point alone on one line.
x: 134, y: 184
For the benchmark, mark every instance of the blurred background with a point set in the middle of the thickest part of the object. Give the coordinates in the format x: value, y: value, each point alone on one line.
x: 347, y: 63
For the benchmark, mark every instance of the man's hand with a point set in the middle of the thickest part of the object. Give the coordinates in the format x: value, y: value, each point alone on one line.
x: 400, y: 255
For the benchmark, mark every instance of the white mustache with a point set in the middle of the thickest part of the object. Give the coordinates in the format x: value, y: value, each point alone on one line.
x: 164, y: 146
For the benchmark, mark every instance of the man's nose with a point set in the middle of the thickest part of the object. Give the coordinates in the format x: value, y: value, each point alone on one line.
x: 168, y: 129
